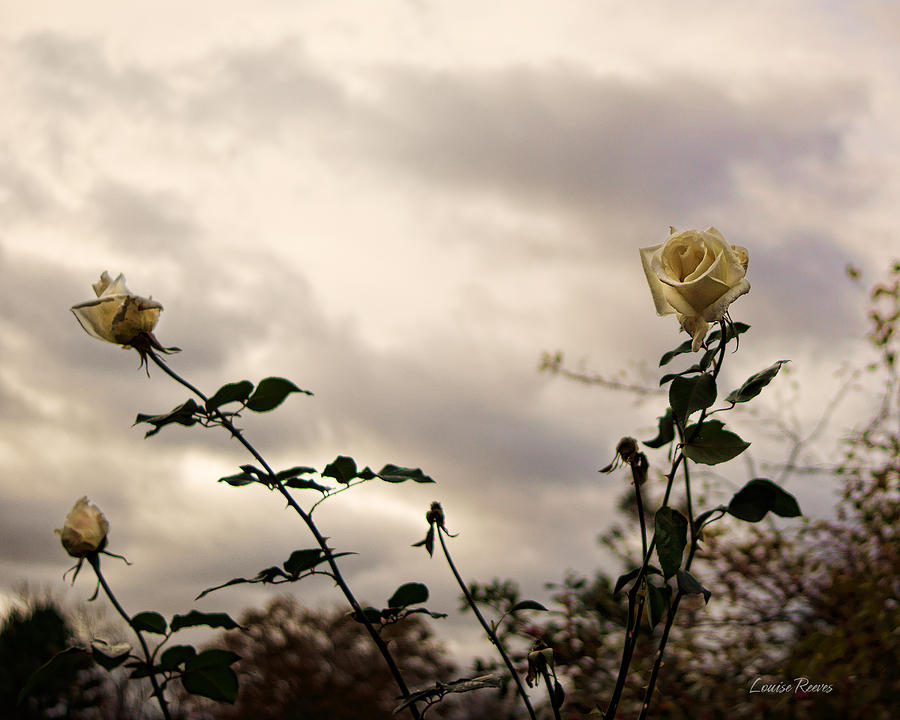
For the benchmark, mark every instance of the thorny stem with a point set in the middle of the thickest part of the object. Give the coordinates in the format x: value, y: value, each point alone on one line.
x: 631, y: 629
x: 551, y: 691
x: 94, y: 562
x: 487, y: 628
x: 310, y: 524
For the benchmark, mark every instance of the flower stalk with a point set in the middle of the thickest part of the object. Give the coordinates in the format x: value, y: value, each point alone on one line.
x: 94, y: 561
x: 484, y: 624
x: 276, y: 484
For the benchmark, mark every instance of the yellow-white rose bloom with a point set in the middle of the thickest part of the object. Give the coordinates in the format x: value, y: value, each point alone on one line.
x: 117, y: 315
x: 84, y: 530
x: 696, y: 275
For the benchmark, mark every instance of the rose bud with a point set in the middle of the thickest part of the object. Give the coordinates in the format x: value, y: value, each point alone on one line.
x: 84, y: 530
x: 117, y: 315
x: 696, y: 275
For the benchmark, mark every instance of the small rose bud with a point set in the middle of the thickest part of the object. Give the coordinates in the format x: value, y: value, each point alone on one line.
x: 539, y: 659
x: 627, y: 448
x: 435, y: 515
x: 84, y: 531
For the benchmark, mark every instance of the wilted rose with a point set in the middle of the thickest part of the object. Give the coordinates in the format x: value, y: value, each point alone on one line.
x: 696, y: 275
x: 84, y: 530
x: 117, y: 315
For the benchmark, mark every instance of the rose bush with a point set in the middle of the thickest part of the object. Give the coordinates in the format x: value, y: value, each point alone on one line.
x: 84, y: 530
x: 117, y: 315
x: 696, y: 275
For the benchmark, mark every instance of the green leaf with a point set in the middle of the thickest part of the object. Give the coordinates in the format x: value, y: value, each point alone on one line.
x: 626, y: 578
x: 755, y: 383
x: 688, y: 395
x: 141, y: 669
x: 238, y: 480
x: 107, y: 656
x: 232, y: 392
x: 713, y: 444
x: 671, y: 376
x: 658, y: 598
x: 408, y: 594
x: 342, y: 469
x: 758, y: 497
x: 176, y: 655
x: 671, y: 538
x: 526, y: 605
x: 373, y: 615
x: 195, y: 618
x: 703, y: 517
x: 733, y: 330
x: 394, y: 474
x: 685, y: 347
x: 209, y: 674
x: 294, y: 472
x: 184, y: 414
x: 666, y: 432
x: 303, y: 560
x: 151, y: 622
x: 270, y: 393
x: 689, y: 585
x: 290, y: 479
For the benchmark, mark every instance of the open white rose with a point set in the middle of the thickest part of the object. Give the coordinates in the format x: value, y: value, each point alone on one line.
x: 85, y: 529
x: 696, y: 275
x: 117, y: 315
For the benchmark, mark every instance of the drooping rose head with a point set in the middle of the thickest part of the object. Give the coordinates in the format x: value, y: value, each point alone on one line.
x: 696, y: 275
x: 117, y: 315
x: 84, y: 530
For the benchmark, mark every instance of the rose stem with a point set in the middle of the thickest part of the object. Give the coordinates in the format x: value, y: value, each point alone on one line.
x: 631, y: 632
x: 278, y: 485
x: 487, y: 628
x: 670, y: 615
x: 94, y: 561
x: 550, y: 692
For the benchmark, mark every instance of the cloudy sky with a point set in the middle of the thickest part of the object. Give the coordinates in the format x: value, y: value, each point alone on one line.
x: 400, y: 205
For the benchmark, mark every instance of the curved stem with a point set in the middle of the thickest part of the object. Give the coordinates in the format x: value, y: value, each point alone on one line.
x: 94, y: 562
x: 226, y: 423
x: 551, y: 692
x: 487, y: 628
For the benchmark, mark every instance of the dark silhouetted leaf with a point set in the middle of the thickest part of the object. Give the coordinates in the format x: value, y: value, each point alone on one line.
x: 195, y: 618
x: 209, y: 674
x: 151, y: 622
x: 689, y: 585
x: 184, y: 414
x: 270, y: 393
x: 303, y: 560
x: 526, y: 605
x: 685, y: 347
x: 107, y: 656
x: 394, y: 474
x: 671, y: 537
x: 658, y: 602
x: 342, y: 469
x: 666, y: 432
x: 232, y: 392
x: 755, y: 383
x: 238, y: 480
x: 176, y: 655
x: 688, y: 395
x: 758, y: 497
x: 408, y: 594
x: 713, y: 444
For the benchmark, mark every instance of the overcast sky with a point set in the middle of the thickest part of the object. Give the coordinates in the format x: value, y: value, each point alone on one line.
x: 400, y: 205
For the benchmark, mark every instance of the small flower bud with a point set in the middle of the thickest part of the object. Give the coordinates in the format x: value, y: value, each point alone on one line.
x: 84, y: 531
x: 435, y: 515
